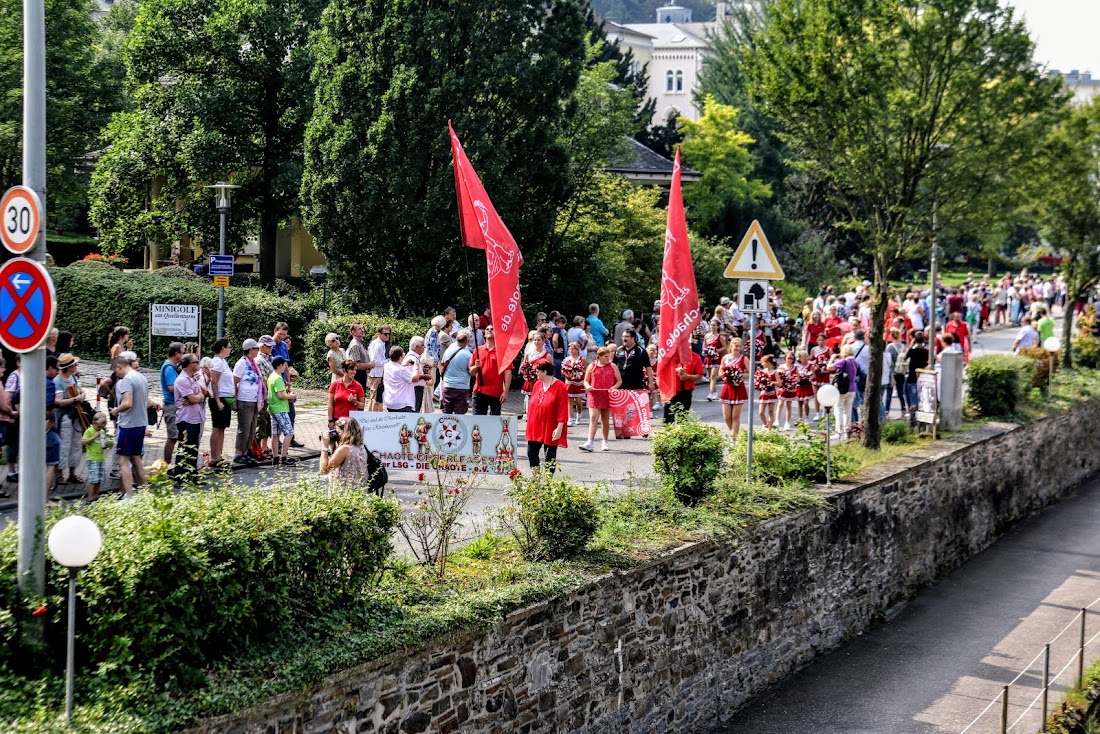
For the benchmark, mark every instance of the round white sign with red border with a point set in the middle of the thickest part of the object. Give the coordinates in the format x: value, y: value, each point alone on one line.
x: 20, y: 219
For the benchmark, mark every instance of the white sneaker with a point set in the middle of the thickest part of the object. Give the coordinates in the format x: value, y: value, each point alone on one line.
x: 658, y: 405
x: 604, y: 446
x: 786, y: 426
x: 571, y: 422
x: 586, y: 446
x: 817, y: 417
x: 126, y: 498
x: 712, y: 397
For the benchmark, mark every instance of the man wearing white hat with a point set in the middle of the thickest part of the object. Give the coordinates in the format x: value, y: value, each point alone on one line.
x: 69, y: 396
x: 246, y: 374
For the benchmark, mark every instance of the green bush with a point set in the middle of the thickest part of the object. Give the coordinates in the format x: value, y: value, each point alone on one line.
x: 312, y: 364
x: 998, y: 383
x: 184, y: 580
x: 896, y: 432
x: 1086, y: 350
x: 94, y: 298
x: 688, y: 456
x: 550, y: 516
x: 777, y: 458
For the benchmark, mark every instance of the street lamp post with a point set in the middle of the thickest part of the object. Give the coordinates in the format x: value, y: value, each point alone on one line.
x: 828, y: 396
x: 223, y: 192
x: 74, y: 542
x: 320, y: 271
x: 1052, y: 344
x: 932, y: 295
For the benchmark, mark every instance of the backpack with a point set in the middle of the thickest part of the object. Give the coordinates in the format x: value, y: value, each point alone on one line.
x: 842, y: 382
x: 377, y: 474
x: 861, y: 374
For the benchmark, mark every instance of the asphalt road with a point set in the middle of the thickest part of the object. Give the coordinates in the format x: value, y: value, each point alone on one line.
x: 937, y: 664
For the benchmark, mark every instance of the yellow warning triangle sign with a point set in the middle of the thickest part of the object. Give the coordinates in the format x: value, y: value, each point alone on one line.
x: 754, y: 257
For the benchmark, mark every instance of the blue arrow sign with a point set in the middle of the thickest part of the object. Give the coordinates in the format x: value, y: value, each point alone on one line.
x: 221, y: 264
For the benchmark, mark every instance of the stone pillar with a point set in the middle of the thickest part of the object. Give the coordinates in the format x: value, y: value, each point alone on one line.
x: 951, y: 390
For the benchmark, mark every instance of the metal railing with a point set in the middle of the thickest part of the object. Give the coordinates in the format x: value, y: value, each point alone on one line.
x: 1042, y: 698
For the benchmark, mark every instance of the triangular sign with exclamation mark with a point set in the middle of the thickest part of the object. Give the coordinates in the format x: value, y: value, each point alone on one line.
x: 754, y: 257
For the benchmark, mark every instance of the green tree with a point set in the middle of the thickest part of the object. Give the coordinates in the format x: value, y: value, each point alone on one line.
x: 901, y: 106
x: 715, y: 146
x: 79, y: 99
x: 378, y: 189
x: 1066, y: 178
x: 221, y: 90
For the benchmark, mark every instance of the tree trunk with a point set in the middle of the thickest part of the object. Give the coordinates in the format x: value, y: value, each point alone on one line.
x: 1067, y: 330
x: 991, y: 267
x: 269, y: 231
x: 872, y: 422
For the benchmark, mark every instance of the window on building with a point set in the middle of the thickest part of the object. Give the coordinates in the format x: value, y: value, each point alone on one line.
x: 679, y: 81
x: 668, y: 81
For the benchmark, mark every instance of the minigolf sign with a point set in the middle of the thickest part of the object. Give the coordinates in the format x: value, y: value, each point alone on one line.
x: 754, y: 257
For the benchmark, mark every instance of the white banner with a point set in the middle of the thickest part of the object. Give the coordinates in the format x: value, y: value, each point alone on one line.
x: 462, y: 443
x: 170, y: 319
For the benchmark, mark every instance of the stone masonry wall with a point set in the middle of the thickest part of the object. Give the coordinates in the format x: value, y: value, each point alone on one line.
x: 678, y: 644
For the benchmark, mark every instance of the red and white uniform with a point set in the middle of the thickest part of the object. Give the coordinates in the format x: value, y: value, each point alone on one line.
x: 805, y: 389
x: 819, y: 359
x: 733, y: 372
x: 711, y: 345
x: 572, y: 371
x: 765, y: 386
x: 788, y: 378
x: 529, y: 372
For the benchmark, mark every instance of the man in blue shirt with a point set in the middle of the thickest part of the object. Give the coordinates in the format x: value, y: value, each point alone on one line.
x: 598, y: 330
x: 169, y: 371
x: 456, y: 376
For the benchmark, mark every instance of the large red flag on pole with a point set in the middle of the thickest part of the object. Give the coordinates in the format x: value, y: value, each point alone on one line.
x: 679, y: 296
x: 482, y: 228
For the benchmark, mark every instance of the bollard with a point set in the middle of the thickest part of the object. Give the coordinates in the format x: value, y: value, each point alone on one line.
x: 1081, y: 652
x: 1046, y: 683
x: 1004, y: 710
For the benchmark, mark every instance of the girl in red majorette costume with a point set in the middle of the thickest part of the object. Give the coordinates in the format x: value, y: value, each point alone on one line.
x: 714, y: 344
x: 766, y: 384
x: 733, y: 368
x: 572, y: 372
x: 533, y: 354
x: 805, y: 390
x: 788, y: 387
x: 819, y: 360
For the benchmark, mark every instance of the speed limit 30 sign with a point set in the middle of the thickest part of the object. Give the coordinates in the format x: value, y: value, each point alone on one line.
x: 20, y: 219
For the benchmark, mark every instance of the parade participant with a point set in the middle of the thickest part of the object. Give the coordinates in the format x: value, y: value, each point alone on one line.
x: 689, y: 373
x: 766, y: 386
x: 819, y: 358
x: 491, y: 386
x: 734, y: 367
x: 572, y: 370
x: 654, y: 394
x: 633, y: 363
x: 789, y: 378
x: 805, y: 390
x: 558, y: 344
x: 546, y: 419
x: 534, y: 354
x: 602, y: 377
x: 714, y: 346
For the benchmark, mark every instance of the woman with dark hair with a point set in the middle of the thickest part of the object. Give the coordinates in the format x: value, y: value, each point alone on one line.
x: 119, y: 341
x: 547, y: 413
x: 224, y: 390
x: 64, y: 342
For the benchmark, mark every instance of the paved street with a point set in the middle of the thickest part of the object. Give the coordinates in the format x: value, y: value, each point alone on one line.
x: 937, y: 664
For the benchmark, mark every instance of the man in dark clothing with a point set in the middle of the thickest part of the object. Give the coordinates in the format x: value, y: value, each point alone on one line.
x: 633, y: 363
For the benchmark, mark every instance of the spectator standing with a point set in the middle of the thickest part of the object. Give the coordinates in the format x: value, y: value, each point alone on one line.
x: 456, y: 376
x: 346, y: 462
x: 334, y: 357
x: 490, y: 384
x: 119, y: 341
x: 280, y: 397
x: 415, y: 359
x: 263, y: 416
x: 596, y: 328
x: 132, y: 398
x: 12, y: 387
x: 345, y: 395
x: 169, y: 371
x: 68, y: 395
x: 95, y: 441
x: 1027, y: 336
x: 626, y: 322
x: 377, y: 354
x: 917, y: 356
x: 398, y: 383
x: 357, y: 351
x: 224, y: 396
x: 578, y: 334
x: 862, y: 356
x: 190, y: 415
x: 547, y: 414
x: 250, y: 396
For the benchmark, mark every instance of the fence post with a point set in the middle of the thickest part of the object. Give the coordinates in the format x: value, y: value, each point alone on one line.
x: 1004, y: 710
x: 1081, y: 652
x: 1046, y: 683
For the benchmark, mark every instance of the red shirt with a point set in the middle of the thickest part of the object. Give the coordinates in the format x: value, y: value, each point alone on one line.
x: 490, y: 380
x: 342, y: 395
x: 693, y: 367
x: 812, y: 331
x: 545, y: 410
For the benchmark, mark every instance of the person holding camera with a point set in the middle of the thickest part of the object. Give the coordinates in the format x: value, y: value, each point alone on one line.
x: 344, y: 457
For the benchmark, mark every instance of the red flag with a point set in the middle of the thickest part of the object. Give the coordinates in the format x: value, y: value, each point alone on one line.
x: 679, y: 296
x: 482, y: 228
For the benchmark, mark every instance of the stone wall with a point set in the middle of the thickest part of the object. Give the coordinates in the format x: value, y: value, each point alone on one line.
x: 678, y: 644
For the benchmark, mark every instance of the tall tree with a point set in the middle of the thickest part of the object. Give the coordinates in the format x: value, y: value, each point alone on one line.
x: 79, y: 98
x: 378, y: 189
x: 1066, y: 203
x: 901, y: 105
x: 224, y: 86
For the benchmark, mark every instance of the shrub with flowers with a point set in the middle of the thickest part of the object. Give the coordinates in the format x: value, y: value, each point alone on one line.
x: 549, y: 516
x: 431, y: 525
x: 109, y: 259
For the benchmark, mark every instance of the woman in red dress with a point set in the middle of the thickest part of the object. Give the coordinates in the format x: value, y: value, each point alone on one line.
x: 805, y: 390
x: 533, y: 354
x: 572, y: 371
x: 819, y: 359
x: 713, y: 346
x: 734, y: 393
x: 814, y: 328
x: 601, y: 378
x: 547, y: 413
x: 788, y: 386
x: 766, y: 384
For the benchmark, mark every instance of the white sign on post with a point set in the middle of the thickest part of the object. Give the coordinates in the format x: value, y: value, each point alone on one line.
x: 752, y: 296
x: 484, y: 444
x: 170, y: 319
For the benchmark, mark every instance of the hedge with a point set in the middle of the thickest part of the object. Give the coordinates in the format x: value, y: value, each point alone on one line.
x: 185, y: 580
x: 93, y: 298
x: 312, y: 364
x: 998, y: 383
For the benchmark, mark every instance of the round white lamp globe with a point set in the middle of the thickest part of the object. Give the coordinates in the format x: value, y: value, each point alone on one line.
x: 828, y: 396
x: 74, y: 541
x: 1052, y: 344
